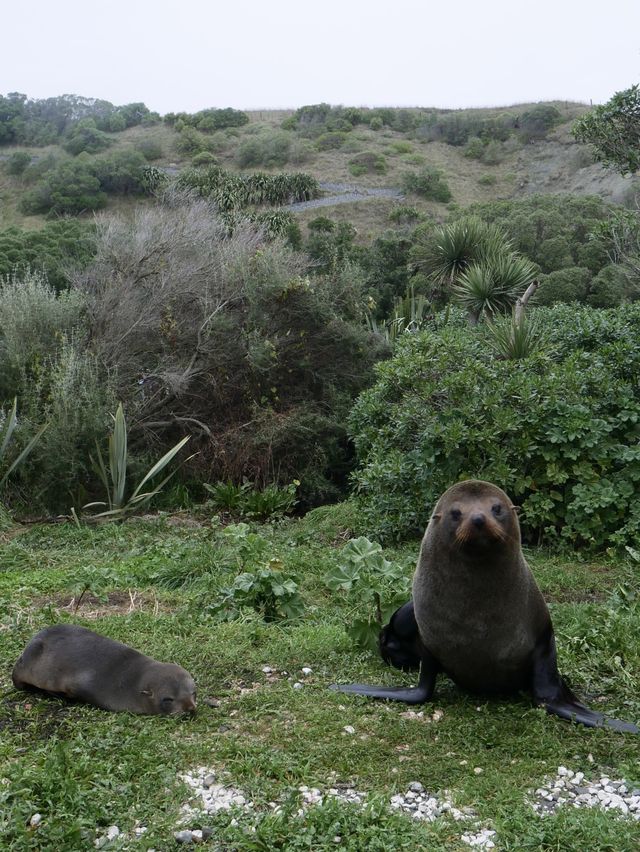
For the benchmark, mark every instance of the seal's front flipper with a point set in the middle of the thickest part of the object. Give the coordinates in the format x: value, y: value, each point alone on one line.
x: 419, y: 694
x: 550, y: 691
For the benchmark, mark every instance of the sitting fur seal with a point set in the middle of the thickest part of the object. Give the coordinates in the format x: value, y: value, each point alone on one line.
x: 480, y: 617
x: 73, y: 662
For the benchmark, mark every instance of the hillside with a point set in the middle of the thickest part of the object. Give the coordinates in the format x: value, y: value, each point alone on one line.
x: 516, y: 167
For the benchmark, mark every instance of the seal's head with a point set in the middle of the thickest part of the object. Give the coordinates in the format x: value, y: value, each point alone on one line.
x: 476, y: 515
x: 169, y: 689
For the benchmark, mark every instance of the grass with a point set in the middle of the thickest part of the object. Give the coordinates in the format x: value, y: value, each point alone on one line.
x: 151, y: 583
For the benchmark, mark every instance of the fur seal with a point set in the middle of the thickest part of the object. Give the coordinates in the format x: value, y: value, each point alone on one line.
x: 73, y: 662
x: 399, y: 640
x: 479, y: 615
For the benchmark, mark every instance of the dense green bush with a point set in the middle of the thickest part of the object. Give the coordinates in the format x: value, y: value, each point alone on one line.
x: 150, y: 149
x: 456, y: 128
x: 51, y: 249
x: 17, y: 162
x: 331, y: 140
x: 537, y: 121
x: 367, y: 162
x: 231, y: 191
x: 208, y: 120
x: 559, y: 431
x: 85, y: 136
x: 429, y: 183
x: 70, y: 187
x: 264, y: 149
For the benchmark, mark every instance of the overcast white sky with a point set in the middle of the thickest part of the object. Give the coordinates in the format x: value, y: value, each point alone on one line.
x: 193, y: 54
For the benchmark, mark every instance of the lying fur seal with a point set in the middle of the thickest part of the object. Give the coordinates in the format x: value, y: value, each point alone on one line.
x: 479, y: 615
x: 74, y: 662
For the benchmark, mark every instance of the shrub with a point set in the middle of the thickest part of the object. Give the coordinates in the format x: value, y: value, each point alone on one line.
x: 368, y: 162
x: 69, y: 188
x: 121, y: 172
x: 428, y: 183
x: 564, y: 285
x: 556, y: 430
x: 487, y: 180
x: 536, y: 122
x: 376, y: 123
x: 51, y: 250
x: 474, y: 148
x: 266, y: 149
x: 204, y: 158
x: 150, y: 149
x: 331, y: 141
x: 17, y: 162
x: 85, y: 137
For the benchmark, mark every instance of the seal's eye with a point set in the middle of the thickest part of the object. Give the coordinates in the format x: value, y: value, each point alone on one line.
x: 456, y: 514
x: 497, y: 509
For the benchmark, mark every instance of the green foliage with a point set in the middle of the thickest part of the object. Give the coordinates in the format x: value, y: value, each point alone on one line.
x: 409, y: 315
x: 279, y: 223
x: 191, y: 141
x: 316, y: 119
x: 208, y: 120
x: 404, y: 214
x: 232, y: 191
x: 487, y: 180
x: 367, y: 162
x: 492, y: 286
x: 8, y: 425
x: 429, y: 183
x: 267, y: 589
x: 52, y: 250
x: 514, y: 339
x: 45, y: 121
x: 204, y: 158
x: 17, y: 162
x: 614, y: 131
x: 554, y: 231
x: 70, y: 188
x: 537, y: 121
x: 259, y: 504
x: 85, y: 137
x: 373, y: 587
x: 376, y: 123
x: 331, y: 140
x: 558, y: 430
x: 564, y: 285
x: 456, y: 128
x: 269, y: 149
x: 150, y: 149
x: 114, y: 478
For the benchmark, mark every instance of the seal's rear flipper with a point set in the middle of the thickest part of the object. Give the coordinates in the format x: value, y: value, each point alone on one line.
x: 419, y: 694
x: 549, y: 690
x: 576, y: 712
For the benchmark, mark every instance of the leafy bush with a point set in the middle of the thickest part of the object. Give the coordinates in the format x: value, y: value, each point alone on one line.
x: 204, y: 158
x: 487, y: 180
x: 372, y: 585
x: 17, y: 162
x: 232, y: 191
x: 331, y: 141
x: 536, y: 122
x: 367, y: 162
x: 614, y: 131
x: 69, y: 188
x: 564, y: 285
x: 85, y: 137
x: 557, y: 430
x: 267, y: 149
x: 376, y: 123
x: 51, y: 250
x: 428, y: 183
x: 244, y: 501
x: 208, y: 120
x: 150, y: 149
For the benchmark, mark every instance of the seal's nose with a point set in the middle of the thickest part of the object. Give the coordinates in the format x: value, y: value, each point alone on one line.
x: 478, y: 520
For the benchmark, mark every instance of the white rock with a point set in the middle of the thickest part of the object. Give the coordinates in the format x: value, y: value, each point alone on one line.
x: 349, y: 729
x: 35, y: 820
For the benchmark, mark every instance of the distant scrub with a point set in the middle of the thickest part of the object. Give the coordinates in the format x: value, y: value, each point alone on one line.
x: 234, y: 191
x: 428, y: 183
x: 45, y: 121
x: 367, y: 162
x: 207, y: 120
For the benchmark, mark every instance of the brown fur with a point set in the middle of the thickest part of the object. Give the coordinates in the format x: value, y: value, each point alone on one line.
x: 76, y: 663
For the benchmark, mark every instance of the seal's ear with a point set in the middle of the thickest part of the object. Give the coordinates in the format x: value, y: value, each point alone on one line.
x: 516, y: 509
x: 148, y: 692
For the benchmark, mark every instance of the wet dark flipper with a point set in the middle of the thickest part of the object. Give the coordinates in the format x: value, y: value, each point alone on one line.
x: 419, y: 694
x: 551, y: 692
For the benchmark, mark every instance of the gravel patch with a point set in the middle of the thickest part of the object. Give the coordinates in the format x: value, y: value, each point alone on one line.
x: 571, y: 788
x: 345, y: 193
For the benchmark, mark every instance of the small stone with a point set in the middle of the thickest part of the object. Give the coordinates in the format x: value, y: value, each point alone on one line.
x: 478, y: 770
x: 212, y: 702
x: 209, y: 780
x: 112, y: 832
x: 590, y: 757
x: 197, y: 835
x: 306, y: 671
x: 337, y: 839
x: 349, y: 729
x: 297, y: 685
x: 416, y: 787
x: 183, y: 836
x: 35, y: 820
x: 267, y: 669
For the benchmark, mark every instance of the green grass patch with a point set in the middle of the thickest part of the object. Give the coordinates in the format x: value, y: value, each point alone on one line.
x: 151, y: 583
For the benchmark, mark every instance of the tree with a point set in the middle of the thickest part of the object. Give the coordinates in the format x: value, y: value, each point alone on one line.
x: 614, y: 131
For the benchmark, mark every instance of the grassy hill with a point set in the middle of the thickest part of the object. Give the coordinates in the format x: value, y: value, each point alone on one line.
x: 517, y: 167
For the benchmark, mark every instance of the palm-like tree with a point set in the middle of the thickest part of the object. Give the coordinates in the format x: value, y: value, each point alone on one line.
x: 492, y: 286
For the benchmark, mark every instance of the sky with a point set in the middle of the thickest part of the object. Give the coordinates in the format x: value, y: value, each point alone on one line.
x: 247, y: 54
